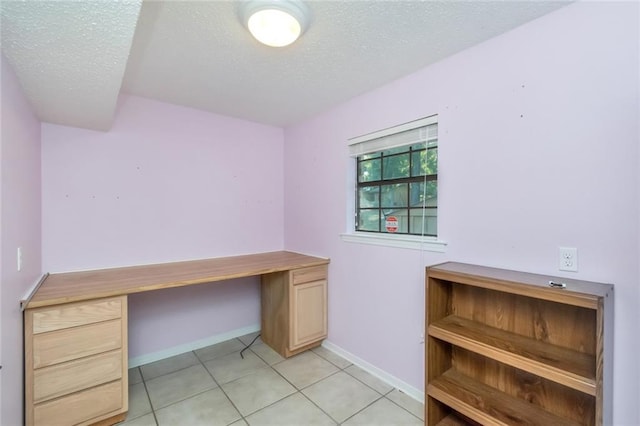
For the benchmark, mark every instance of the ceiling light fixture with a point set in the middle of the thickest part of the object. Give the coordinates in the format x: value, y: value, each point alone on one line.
x: 276, y: 23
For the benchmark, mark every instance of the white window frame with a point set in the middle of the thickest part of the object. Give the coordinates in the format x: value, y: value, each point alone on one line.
x: 378, y: 141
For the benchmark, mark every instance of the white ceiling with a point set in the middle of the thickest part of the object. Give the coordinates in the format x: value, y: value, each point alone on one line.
x: 73, y: 58
x: 70, y: 57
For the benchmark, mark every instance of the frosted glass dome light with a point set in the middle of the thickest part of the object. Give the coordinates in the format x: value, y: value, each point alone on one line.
x: 276, y: 23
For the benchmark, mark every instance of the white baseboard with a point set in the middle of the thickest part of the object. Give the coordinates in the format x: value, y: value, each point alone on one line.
x: 191, y: 346
x: 413, y: 392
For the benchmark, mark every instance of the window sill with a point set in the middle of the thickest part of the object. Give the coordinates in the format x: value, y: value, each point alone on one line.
x: 415, y: 242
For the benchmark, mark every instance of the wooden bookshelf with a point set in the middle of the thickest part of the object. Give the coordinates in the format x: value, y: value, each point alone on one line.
x: 504, y: 348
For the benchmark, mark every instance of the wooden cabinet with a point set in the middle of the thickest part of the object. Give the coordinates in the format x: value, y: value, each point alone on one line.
x: 294, y: 309
x: 76, y: 327
x: 76, y: 362
x: 503, y: 347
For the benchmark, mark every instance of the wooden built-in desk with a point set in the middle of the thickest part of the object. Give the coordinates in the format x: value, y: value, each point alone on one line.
x: 76, y: 326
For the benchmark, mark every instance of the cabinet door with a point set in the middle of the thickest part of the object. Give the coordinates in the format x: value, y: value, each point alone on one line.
x: 308, y: 313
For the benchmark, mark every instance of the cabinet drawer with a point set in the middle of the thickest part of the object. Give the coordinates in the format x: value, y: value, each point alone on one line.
x: 81, y: 406
x: 76, y: 314
x: 63, y: 379
x: 73, y: 343
x: 306, y: 275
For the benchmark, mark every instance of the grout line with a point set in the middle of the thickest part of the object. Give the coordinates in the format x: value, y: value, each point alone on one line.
x: 153, y: 410
x: 319, y: 408
x: 404, y: 408
x: 272, y: 367
x: 223, y: 391
x: 363, y: 408
x: 298, y: 390
x: 170, y: 372
x: 146, y: 391
x: 328, y: 360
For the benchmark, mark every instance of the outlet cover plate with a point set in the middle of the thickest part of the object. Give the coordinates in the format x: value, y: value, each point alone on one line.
x: 568, y: 259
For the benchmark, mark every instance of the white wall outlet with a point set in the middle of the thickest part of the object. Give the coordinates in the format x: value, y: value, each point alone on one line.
x: 19, y: 258
x: 568, y: 259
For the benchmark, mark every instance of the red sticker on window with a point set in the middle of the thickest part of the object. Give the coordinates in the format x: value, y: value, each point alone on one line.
x: 391, y: 223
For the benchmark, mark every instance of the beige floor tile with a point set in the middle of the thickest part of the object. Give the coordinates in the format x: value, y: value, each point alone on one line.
x: 332, y: 357
x: 168, y: 365
x: 341, y: 395
x: 408, y: 403
x: 294, y: 410
x: 267, y: 354
x: 233, y: 366
x: 247, y: 338
x: 369, y: 379
x: 258, y: 390
x: 174, y: 387
x: 139, y: 404
x: 182, y: 391
x: 305, y: 369
x: 134, y: 376
x: 220, y: 349
x: 384, y: 413
x: 146, y: 420
x: 211, y: 408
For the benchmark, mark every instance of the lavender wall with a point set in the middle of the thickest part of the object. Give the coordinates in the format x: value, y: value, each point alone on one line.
x: 538, y: 149
x: 19, y: 227
x: 166, y: 183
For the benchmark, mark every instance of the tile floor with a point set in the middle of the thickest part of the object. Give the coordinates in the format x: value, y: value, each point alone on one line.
x: 215, y: 386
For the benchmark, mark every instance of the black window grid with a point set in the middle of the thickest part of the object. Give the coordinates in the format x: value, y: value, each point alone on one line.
x: 422, y: 178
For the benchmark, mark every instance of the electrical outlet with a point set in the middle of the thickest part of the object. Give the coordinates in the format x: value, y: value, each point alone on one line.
x: 568, y: 260
x: 19, y: 258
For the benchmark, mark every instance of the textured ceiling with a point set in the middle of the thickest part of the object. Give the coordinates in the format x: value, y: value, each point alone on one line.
x: 70, y: 56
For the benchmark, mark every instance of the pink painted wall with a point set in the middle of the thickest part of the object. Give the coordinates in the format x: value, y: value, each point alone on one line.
x: 538, y: 149
x: 19, y: 227
x: 166, y: 183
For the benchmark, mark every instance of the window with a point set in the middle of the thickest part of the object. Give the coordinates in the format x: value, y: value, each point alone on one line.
x: 397, y: 179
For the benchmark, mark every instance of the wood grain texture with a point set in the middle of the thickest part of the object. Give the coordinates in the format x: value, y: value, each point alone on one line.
x: 487, y: 405
x: 109, y: 421
x: 274, y: 300
x: 70, y: 318
x: 74, y: 314
x: 124, y: 350
x: 73, y: 343
x: 308, y: 313
x: 548, y: 395
x: 502, y: 340
x: 577, y: 292
x: 565, y: 366
x: 440, y: 359
x: 28, y: 368
x: 305, y: 275
x: 294, y: 314
x: 555, y: 323
x: 78, y: 353
x: 84, y: 407
x: 604, y: 360
x: 87, y: 285
x: 456, y: 420
x: 437, y: 306
x: 68, y: 377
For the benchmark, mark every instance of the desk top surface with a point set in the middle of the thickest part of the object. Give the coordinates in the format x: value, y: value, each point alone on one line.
x: 86, y: 285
